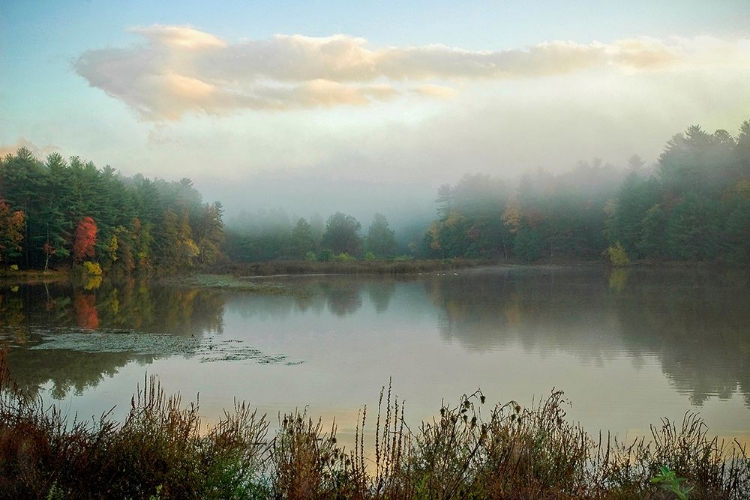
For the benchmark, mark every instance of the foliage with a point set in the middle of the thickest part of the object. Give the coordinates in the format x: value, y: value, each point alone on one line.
x: 690, y: 206
x: 302, y: 241
x: 380, y: 240
x: 159, y: 451
x: 84, y: 239
x: 342, y: 234
x: 325, y: 255
x: 670, y: 482
x: 92, y: 268
x: 617, y: 255
x: 11, y: 232
x: 344, y: 257
x: 471, y: 450
x: 73, y: 211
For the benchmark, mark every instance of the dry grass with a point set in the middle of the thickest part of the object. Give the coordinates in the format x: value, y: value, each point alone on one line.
x: 296, y: 267
x: 471, y: 450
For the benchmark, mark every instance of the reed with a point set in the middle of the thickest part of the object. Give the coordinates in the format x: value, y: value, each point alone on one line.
x: 471, y: 450
x: 384, y: 267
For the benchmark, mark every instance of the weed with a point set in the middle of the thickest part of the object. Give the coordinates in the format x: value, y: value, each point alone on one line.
x: 470, y: 450
x: 670, y: 482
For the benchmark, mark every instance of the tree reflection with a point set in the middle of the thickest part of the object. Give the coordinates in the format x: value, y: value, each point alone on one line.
x: 65, y: 370
x: 31, y: 312
x: 343, y: 297
x: 381, y: 293
x: 694, y: 322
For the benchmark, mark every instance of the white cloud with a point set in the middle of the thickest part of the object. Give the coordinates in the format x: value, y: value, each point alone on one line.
x: 180, y: 70
x: 38, y: 152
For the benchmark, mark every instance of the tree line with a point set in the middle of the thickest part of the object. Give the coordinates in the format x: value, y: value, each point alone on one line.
x: 692, y: 205
x: 59, y: 213
x: 271, y: 235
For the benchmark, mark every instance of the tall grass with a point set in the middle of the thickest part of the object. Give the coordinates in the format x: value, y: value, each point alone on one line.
x: 471, y: 450
x: 298, y: 267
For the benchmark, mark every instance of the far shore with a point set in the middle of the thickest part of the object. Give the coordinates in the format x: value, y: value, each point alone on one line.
x: 246, y: 275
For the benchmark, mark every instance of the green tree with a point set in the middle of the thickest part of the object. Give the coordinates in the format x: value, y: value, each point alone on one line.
x: 302, y: 241
x: 209, y: 233
x: 737, y: 240
x: 742, y: 150
x: 624, y: 224
x: 342, y: 235
x: 529, y: 244
x: 21, y: 183
x: 381, y: 240
x: 654, y: 227
x: 698, y: 162
x: 693, y: 229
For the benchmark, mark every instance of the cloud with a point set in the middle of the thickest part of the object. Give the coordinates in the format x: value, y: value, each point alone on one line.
x: 180, y: 69
x: 39, y: 153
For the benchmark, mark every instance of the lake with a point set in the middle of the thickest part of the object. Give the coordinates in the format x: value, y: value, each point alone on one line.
x: 627, y: 346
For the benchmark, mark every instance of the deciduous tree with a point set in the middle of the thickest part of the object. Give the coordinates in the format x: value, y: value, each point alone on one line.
x: 84, y: 239
x: 11, y: 232
x: 342, y: 234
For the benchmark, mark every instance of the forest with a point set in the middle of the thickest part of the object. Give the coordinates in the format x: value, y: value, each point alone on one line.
x: 59, y: 213
x: 692, y: 205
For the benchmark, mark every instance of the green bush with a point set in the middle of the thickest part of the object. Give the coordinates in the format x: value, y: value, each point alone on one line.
x: 344, y: 257
x: 325, y: 255
x: 617, y: 255
x: 92, y: 268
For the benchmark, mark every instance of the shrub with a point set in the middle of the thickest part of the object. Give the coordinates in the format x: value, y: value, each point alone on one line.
x: 92, y: 268
x: 325, y: 255
x: 344, y: 257
x: 617, y: 255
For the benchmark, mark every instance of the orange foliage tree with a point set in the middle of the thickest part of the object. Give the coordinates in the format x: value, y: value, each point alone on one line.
x: 84, y: 239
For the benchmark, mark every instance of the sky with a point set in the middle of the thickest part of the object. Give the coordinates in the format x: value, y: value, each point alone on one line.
x: 364, y: 107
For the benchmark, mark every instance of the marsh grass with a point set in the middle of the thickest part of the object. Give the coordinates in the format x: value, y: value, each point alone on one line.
x: 471, y: 450
x: 300, y: 267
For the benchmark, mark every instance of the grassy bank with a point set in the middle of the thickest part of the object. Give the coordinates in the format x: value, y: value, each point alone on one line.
x: 470, y: 450
x: 287, y: 267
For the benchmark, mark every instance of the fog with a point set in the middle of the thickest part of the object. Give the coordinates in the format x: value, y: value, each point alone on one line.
x: 361, y: 110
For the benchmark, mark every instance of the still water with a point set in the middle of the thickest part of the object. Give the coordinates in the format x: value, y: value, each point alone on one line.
x: 627, y: 347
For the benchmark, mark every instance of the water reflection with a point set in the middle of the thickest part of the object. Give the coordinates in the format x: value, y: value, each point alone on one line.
x: 30, y: 314
x: 694, y: 323
x: 381, y: 293
x: 66, y: 370
x: 340, y: 295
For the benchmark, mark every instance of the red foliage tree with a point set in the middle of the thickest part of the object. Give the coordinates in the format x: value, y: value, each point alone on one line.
x: 84, y: 239
x: 11, y: 230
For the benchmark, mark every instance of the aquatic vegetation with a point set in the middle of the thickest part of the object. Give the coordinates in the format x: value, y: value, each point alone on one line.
x: 207, y: 349
x: 471, y: 450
